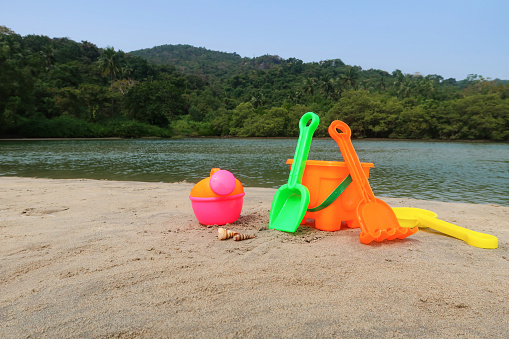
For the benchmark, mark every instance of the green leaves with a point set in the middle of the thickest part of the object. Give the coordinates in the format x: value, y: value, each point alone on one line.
x: 201, y: 92
x: 155, y: 103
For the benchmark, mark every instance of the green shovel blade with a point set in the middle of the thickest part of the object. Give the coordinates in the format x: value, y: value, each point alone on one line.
x: 288, y: 208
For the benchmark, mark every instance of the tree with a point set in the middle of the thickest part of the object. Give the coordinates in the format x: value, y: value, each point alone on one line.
x: 309, y: 86
x: 16, y: 80
x: 90, y: 52
x: 382, y: 83
x: 240, y: 114
x: 327, y: 86
x: 399, y: 78
x: 257, y: 99
x: 155, y: 102
x: 56, y: 81
x: 350, y: 77
x: 109, y: 64
x: 367, y: 114
x: 269, y: 124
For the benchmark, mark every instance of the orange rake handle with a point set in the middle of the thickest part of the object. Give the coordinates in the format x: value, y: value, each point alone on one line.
x: 351, y: 159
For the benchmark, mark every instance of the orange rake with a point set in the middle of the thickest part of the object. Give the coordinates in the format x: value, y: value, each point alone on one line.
x: 376, y: 218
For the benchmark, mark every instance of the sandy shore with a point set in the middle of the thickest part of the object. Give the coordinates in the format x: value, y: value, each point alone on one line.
x: 87, y: 258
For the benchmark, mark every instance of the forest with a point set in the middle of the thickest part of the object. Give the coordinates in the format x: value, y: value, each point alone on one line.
x: 60, y: 88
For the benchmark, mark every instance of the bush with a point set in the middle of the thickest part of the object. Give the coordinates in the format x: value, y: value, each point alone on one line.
x: 59, y: 127
x: 70, y: 127
x: 132, y: 129
x: 186, y: 127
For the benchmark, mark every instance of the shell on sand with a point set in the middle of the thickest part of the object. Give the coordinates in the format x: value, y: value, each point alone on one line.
x: 223, y: 234
x: 239, y: 236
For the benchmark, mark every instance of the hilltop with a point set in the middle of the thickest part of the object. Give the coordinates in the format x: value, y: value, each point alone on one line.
x: 216, y: 64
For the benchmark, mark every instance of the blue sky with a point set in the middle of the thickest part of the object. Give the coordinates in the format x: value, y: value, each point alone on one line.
x: 449, y: 38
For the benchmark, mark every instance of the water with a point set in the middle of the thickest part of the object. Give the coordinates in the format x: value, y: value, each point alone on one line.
x: 442, y: 171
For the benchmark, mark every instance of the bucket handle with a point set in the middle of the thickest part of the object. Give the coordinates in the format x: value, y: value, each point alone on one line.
x: 334, y: 195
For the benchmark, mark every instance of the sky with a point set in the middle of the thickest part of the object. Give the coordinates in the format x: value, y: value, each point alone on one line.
x: 450, y: 38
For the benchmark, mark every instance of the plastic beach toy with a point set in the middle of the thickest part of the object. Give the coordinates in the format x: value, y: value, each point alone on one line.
x: 292, y: 199
x: 375, y: 217
x: 411, y: 217
x: 218, y: 199
x: 333, y: 198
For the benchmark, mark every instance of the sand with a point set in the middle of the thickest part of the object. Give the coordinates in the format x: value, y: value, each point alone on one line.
x: 89, y: 258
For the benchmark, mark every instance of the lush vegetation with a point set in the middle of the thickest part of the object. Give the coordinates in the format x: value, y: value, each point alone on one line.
x: 56, y: 87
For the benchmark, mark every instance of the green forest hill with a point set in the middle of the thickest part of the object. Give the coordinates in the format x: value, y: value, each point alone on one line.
x: 56, y: 87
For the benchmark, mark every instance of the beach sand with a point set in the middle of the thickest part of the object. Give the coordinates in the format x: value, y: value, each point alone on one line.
x: 89, y: 258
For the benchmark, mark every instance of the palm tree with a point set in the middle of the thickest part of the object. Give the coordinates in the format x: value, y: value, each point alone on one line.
x: 295, y: 96
x: 108, y: 64
x: 405, y: 88
x: 365, y: 84
x: 338, y: 89
x: 257, y: 99
x: 425, y: 86
x: 48, y: 53
x: 327, y: 86
x: 400, y: 78
x: 351, y: 76
x: 382, y: 84
x: 308, y: 87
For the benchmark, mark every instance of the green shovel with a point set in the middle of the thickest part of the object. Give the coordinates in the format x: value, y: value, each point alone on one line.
x: 292, y: 199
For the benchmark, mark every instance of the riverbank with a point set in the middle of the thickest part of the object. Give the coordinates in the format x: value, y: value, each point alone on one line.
x: 96, y: 258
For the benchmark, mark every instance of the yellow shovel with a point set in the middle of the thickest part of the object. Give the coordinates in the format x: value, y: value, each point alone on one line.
x: 411, y: 217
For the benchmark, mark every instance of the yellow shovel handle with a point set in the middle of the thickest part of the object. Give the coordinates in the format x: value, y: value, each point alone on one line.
x: 476, y: 239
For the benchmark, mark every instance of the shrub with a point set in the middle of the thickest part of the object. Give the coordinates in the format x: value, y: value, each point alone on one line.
x: 133, y: 129
x: 59, y: 127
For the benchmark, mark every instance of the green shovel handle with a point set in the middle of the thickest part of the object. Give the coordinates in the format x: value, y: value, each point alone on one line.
x: 307, y: 125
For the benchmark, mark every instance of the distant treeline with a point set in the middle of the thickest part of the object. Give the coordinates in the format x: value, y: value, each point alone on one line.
x: 56, y: 87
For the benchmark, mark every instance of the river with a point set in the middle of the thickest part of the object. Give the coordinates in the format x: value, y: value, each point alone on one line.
x: 475, y: 172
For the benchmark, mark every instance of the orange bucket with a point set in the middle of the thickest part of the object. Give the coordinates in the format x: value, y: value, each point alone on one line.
x: 322, y: 178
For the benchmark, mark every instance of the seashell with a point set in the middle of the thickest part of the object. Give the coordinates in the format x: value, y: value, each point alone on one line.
x: 239, y: 236
x: 223, y: 234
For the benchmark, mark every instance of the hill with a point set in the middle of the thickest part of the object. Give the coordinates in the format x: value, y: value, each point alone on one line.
x: 56, y: 87
x: 199, y: 60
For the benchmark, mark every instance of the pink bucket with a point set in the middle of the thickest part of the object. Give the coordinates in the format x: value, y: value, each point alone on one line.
x: 218, y: 199
x: 217, y: 210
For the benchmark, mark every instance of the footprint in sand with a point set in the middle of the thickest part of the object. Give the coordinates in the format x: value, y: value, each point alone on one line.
x: 32, y: 212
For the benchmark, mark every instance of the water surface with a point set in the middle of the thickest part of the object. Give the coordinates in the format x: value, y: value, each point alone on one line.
x: 443, y: 171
